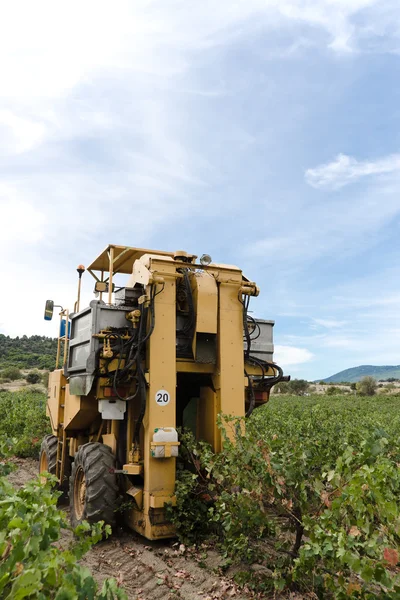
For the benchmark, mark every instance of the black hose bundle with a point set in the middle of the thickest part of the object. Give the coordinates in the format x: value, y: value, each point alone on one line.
x: 134, y: 349
x: 262, y: 364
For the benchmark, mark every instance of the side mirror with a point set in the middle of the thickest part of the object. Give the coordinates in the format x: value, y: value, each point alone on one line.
x: 48, y: 310
x: 102, y: 286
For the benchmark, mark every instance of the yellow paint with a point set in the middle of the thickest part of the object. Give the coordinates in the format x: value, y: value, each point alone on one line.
x: 80, y: 411
x: 205, y: 297
x: 55, y: 399
x: 133, y: 469
x: 110, y: 440
x: 219, y: 385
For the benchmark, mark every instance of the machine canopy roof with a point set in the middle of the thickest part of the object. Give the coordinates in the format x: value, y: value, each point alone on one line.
x: 124, y: 257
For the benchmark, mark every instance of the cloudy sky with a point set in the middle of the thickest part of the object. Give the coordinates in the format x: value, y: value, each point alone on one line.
x: 263, y: 132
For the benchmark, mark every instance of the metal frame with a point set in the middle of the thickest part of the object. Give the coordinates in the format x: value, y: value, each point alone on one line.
x: 64, y: 338
x: 218, y: 313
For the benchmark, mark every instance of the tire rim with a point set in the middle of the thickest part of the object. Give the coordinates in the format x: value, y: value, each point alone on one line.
x: 43, y: 466
x: 79, y: 493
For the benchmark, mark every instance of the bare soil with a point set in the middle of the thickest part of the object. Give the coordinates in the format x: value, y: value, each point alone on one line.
x: 154, y: 570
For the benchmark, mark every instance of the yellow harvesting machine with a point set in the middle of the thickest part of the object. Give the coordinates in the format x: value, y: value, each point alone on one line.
x: 169, y: 346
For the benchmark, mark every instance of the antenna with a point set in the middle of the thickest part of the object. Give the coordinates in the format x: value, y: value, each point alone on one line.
x: 81, y: 269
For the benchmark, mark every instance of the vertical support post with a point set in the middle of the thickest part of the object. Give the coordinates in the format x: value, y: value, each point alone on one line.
x: 102, y: 279
x: 129, y: 430
x: 110, y: 279
x: 159, y: 474
x: 230, y: 392
x: 66, y: 312
x: 63, y: 456
x: 59, y: 341
x: 115, y: 428
x: 207, y: 417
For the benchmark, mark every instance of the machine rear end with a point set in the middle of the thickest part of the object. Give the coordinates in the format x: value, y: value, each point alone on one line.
x: 172, y: 348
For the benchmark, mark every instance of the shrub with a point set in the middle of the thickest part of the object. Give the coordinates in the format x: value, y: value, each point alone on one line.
x: 45, y: 379
x: 282, y: 387
x: 332, y: 390
x: 367, y: 386
x: 23, y: 417
x: 31, y: 564
x: 310, y: 489
x: 33, y: 377
x: 12, y: 373
x: 299, y: 386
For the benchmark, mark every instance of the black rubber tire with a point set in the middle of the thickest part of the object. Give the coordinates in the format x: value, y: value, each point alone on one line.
x: 97, y: 462
x: 49, y: 448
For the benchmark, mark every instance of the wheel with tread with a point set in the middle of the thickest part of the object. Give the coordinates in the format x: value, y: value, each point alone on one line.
x: 48, y: 462
x: 93, y: 488
x: 48, y: 455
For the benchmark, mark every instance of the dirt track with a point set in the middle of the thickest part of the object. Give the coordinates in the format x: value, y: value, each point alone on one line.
x: 153, y: 570
x: 149, y: 570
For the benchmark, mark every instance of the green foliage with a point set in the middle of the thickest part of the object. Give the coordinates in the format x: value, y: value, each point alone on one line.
x: 23, y: 417
x: 31, y: 565
x: 367, y: 386
x: 281, y: 388
x: 33, y: 377
x: 11, y: 373
x: 25, y: 352
x: 311, y: 490
x: 297, y: 386
x: 45, y: 379
x: 190, y: 516
x: 332, y: 390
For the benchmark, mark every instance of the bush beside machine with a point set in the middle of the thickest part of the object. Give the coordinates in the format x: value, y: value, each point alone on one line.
x: 162, y: 352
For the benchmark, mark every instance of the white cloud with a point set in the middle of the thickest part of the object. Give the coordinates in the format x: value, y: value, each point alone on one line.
x: 290, y: 356
x: 97, y: 109
x: 329, y: 323
x: 21, y: 223
x: 347, y: 225
x: 19, y: 134
x: 346, y: 169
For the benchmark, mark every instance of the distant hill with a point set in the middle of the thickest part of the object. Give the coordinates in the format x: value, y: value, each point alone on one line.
x: 26, y: 352
x: 356, y: 373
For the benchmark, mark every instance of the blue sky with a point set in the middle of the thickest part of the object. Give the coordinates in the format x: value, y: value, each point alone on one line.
x: 265, y: 133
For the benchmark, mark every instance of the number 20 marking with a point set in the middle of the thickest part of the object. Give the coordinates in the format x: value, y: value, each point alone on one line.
x: 162, y: 398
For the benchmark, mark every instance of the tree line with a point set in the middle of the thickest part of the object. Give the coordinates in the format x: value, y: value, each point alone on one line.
x: 367, y: 386
x: 27, y: 352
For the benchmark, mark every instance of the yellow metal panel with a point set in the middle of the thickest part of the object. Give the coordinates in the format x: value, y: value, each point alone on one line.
x: 132, y: 468
x: 255, y: 370
x: 207, y: 417
x: 124, y: 257
x: 55, y: 398
x: 205, y: 297
x: 229, y: 378
x: 110, y: 440
x: 190, y: 366
x: 137, y: 494
x: 79, y: 412
x: 159, y: 501
x: 141, y: 523
x: 159, y: 475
